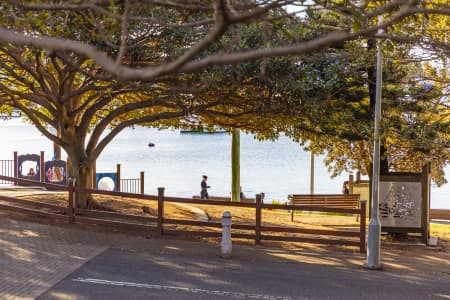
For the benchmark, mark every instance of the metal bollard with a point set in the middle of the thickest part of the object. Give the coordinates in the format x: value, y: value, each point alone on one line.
x: 226, y: 246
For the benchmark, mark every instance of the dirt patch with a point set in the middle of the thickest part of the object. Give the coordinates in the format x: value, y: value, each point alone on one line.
x: 118, y: 204
x: 245, y: 216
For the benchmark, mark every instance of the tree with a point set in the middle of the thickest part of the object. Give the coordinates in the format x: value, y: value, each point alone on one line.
x: 114, y: 23
x: 117, y: 64
x: 414, y: 126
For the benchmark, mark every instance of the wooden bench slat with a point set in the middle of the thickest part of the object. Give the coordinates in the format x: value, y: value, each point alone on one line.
x: 324, y: 200
x: 440, y: 214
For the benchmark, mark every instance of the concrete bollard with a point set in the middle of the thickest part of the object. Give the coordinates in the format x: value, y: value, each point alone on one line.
x: 226, y: 246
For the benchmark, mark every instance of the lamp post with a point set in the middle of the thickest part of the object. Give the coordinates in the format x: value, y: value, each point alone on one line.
x: 374, y: 232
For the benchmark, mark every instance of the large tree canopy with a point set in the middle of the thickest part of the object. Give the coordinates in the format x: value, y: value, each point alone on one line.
x: 84, y: 67
x: 118, y: 27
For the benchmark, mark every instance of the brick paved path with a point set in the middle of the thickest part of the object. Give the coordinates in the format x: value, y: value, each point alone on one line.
x: 34, y: 257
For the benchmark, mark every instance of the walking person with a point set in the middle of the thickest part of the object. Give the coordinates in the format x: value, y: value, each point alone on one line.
x: 204, y: 185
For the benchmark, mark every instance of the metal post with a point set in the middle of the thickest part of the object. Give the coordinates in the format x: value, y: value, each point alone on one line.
x: 226, y: 244
x: 374, y: 232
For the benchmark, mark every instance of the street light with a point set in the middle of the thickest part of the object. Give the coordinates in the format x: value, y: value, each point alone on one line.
x: 374, y: 232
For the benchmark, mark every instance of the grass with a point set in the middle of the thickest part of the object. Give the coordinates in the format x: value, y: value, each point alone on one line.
x: 440, y: 230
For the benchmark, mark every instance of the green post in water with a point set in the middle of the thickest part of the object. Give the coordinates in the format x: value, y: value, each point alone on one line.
x: 235, y: 165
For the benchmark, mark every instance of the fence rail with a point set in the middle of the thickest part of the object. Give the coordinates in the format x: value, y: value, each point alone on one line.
x: 162, y: 225
x: 131, y: 185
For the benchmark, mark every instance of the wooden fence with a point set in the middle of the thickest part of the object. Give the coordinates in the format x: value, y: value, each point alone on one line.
x: 159, y: 223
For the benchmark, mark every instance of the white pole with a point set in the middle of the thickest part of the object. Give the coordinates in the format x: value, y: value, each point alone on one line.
x: 374, y: 232
x: 226, y: 244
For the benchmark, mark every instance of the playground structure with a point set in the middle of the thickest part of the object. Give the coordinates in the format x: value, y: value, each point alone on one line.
x: 113, y: 181
x: 34, y: 167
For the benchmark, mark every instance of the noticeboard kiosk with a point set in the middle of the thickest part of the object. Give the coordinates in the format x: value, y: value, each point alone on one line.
x: 404, y: 202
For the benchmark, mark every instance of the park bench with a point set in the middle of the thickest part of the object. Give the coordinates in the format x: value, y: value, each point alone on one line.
x: 226, y: 199
x: 325, y: 200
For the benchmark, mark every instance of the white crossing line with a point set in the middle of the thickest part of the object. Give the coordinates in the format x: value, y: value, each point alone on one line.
x: 183, y: 289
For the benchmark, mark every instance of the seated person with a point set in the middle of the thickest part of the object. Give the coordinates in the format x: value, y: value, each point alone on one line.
x: 241, y: 193
x: 31, y: 172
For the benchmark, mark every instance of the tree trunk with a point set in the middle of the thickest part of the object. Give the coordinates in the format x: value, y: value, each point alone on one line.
x: 57, y: 156
x: 84, y: 180
x: 81, y: 170
x: 235, y: 166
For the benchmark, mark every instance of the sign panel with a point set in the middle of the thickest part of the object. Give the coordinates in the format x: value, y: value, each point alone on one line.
x: 106, y: 181
x: 400, y: 204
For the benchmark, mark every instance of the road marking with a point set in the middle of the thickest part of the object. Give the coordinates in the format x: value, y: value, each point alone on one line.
x: 182, y: 289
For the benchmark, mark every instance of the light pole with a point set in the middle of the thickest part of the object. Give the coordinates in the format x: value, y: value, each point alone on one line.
x: 374, y: 232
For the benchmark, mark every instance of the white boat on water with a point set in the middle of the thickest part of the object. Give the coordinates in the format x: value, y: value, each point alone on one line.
x: 204, y: 130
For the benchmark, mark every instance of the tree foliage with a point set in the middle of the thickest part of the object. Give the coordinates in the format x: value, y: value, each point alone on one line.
x: 190, y: 29
x: 88, y: 68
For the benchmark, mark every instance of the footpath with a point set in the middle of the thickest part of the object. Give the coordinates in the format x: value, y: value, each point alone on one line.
x: 35, y: 256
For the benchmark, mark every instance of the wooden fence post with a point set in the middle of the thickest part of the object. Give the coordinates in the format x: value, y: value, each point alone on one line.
x: 160, y: 209
x: 142, y: 183
x: 15, y: 166
x: 42, y: 167
x: 70, y: 206
x: 119, y: 187
x: 425, y: 218
x: 258, y: 219
x: 362, y: 227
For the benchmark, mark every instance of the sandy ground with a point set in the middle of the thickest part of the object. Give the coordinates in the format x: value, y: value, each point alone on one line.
x: 247, y: 216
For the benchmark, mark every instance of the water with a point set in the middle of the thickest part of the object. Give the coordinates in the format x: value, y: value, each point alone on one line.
x: 178, y: 161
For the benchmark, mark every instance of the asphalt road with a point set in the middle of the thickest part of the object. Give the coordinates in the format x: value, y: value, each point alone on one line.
x: 125, y: 274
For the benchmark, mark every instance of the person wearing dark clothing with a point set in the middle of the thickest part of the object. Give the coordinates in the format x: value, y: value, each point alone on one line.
x: 241, y: 193
x: 205, y: 187
x: 346, y: 188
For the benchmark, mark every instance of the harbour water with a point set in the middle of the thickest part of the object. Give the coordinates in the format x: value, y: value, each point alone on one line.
x: 177, y: 162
